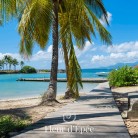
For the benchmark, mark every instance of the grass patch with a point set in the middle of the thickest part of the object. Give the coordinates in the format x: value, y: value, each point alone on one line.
x: 10, y: 123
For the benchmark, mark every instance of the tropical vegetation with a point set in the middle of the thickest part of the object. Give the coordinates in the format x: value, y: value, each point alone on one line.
x: 9, y: 123
x: 7, y: 62
x: 78, y: 23
x: 125, y: 76
x: 28, y: 69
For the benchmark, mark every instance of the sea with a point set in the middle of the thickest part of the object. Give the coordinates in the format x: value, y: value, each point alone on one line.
x: 10, y: 88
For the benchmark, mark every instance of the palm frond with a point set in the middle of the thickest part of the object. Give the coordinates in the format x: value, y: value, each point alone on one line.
x: 36, y: 22
x: 10, y: 9
x: 97, y: 7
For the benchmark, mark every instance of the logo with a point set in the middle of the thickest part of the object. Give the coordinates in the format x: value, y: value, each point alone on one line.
x: 69, y: 117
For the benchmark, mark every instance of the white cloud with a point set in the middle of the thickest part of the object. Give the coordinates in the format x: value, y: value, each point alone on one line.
x: 49, y: 50
x: 14, y: 55
x: 109, y: 18
x: 91, y: 56
x: 98, y: 58
x: 123, y: 53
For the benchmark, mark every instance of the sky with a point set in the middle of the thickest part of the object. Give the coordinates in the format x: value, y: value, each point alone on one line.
x: 122, y: 16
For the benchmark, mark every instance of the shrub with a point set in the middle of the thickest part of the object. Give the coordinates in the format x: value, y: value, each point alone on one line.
x: 125, y: 76
x: 10, y: 124
x: 28, y: 69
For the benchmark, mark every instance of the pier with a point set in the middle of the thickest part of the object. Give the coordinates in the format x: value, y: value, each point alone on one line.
x: 94, y: 80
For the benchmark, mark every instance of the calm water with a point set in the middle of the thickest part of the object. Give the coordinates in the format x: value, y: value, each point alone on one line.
x: 10, y: 88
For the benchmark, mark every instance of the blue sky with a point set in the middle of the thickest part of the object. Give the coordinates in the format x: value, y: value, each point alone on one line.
x: 123, y: 28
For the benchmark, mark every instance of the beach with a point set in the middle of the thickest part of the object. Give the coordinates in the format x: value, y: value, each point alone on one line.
x: 29, y: 108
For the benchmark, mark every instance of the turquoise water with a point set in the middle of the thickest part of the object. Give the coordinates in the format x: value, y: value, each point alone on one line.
x: 10, y: 88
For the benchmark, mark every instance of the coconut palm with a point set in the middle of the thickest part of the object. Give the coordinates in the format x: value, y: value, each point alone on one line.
x: 84, y: 31
x: 9, y: 61
x: 2, y: 63
x: 85, y: 25
x: 6, y: 61
x: 15, y: 63
x: 32, y: 30
x: 35, y: 11
x: 21, y: 64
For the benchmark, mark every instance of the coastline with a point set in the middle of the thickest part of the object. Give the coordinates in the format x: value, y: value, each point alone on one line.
x: 30, y: 108
x: 32, y: 97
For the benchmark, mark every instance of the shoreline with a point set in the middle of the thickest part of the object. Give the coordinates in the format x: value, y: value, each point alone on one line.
x: 87, y: 80
x: 32, y: 98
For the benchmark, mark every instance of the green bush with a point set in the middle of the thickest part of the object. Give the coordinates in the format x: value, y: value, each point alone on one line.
x: 10, y: 124
x: 28, y: 69
x: 125, y: 76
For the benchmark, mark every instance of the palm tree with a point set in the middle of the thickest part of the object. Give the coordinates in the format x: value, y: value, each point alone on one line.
x: 21, y: 64
x: 2, y: 63
x: 9, y: 61
x: 35, y: 11
x: 31, y: 30
x: 6, y: 61
x: 15, y: 63
x: 84, y: 33
x: 85, y: 27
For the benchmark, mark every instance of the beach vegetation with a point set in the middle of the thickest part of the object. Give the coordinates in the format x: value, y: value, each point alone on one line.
x: 21, y: 64
x: 7, y: 62
x: 78, y: 22
x: 80, y: 27
x: 9, y: 124
x: 125, y: 76
x: 28, y: 69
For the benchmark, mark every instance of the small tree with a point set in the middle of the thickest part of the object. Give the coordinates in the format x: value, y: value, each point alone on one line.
x: 28, y: 69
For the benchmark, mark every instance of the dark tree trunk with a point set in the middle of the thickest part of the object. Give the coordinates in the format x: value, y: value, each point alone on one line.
x: 66, y: 58
x: 49, y: 97
x: 69, y: 93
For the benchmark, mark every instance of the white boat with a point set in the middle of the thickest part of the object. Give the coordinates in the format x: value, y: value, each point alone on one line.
x: 102, y: 74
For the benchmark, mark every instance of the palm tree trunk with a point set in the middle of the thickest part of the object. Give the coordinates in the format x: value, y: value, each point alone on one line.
x: 66, y: 58
x: 49, y: 98
x: 69, y: 92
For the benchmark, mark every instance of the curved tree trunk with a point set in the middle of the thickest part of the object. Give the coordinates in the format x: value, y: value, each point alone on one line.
x: 69, y: 92
x: 49, y: 97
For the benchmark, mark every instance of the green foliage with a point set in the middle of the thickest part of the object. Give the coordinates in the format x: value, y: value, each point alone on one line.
x: 28, y: 69
x: 8, y: 60
x: 10, y: 124
x: 125, y: 76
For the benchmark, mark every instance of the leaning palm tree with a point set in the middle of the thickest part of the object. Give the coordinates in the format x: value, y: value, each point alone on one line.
x: 85, y: 20
x: 79, y: 36
x: 32, y: 30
